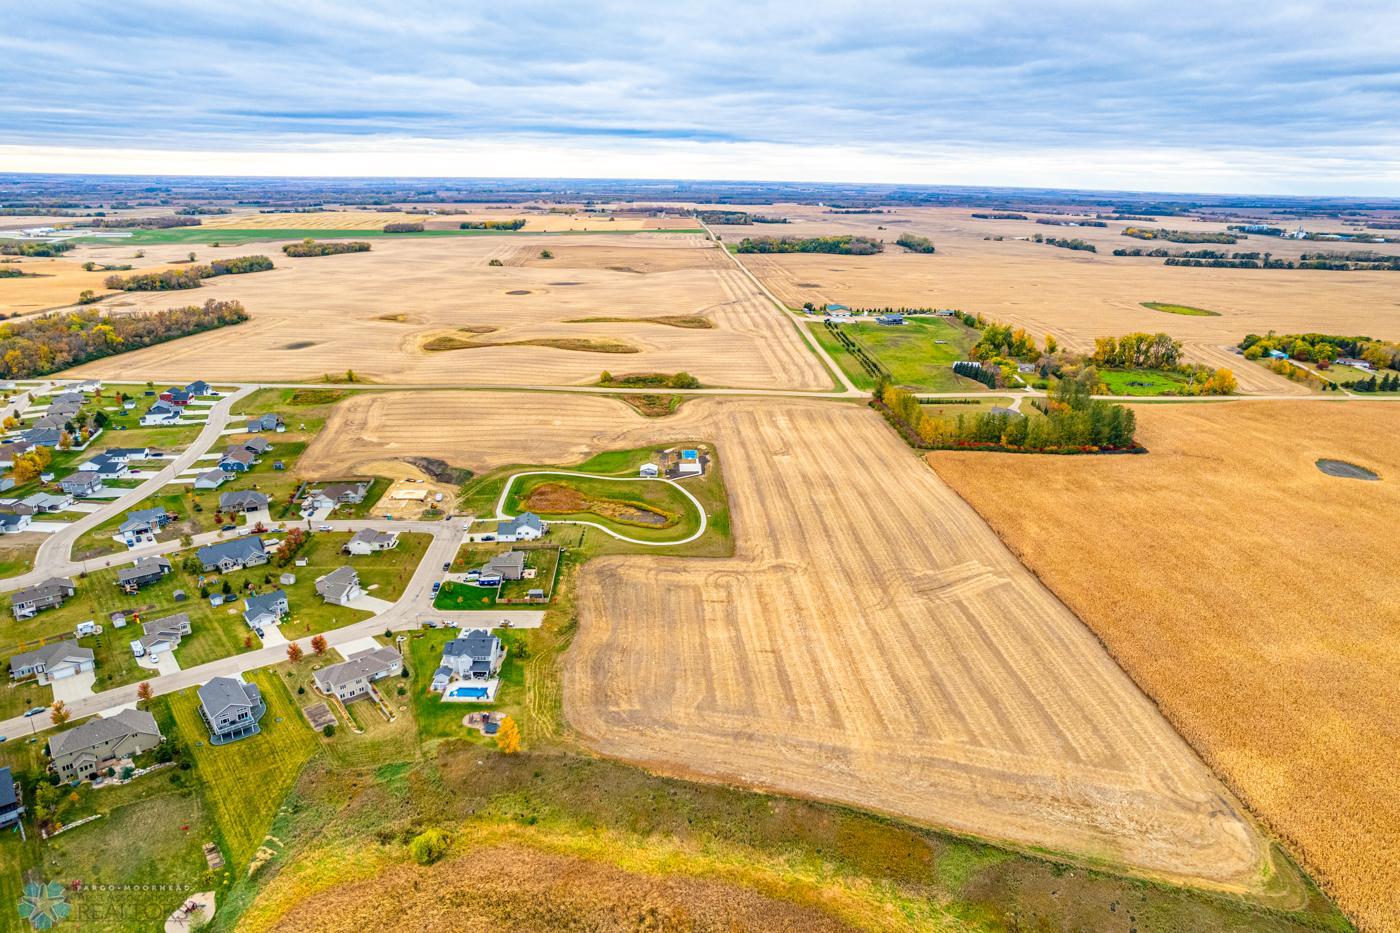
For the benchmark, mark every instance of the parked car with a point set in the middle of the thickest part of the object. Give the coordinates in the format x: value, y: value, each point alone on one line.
x: 447, y: 565
x: 36, y: 711
x: 323, y: 527
x: 437, y: 585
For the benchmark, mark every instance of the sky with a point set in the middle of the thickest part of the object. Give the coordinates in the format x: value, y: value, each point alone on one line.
x: 1250, y: 98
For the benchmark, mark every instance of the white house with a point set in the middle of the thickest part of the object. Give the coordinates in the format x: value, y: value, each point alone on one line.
x: 368, y: 541
x: 340, y: 587
x: 649, y: 471
x: 527, y: 526
x: 52, y: 662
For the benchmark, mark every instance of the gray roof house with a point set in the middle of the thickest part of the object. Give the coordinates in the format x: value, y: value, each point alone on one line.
x: 345, y: 492
x: 144, y: 572
x: 367, y: 541
x: 234, y: 554
x: 141, y: 525
x: 10, y: 807
x: 507, y: 566
x: 353, y: 677
x: 257, y: 445
x: 265, y: 609
x: 339, y: 587
x: 237, y: 459
x: 27, y: 602
x: 81, y: 483
x: 52, y: 662
x: 242, y: 500
x: 13, y: 522
x: 231, y: 709
x: 42, y: 437
x: 101, y: 743
x: 475, y: 655
x: 161, y: 635
x: 269, y: 422
x: 527, y: 526
x: 210, y: 479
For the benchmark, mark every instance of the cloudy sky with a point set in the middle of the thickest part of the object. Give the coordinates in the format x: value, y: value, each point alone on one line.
x: 1279, y: 97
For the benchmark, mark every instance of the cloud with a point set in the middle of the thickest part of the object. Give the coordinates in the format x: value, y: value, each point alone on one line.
x: 1294, y: 97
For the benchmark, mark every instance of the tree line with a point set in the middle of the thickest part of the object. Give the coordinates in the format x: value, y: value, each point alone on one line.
x: 1071, y: 422
x: 310, y: 247
x: 1323, y: 349
x: 844, y: 245
x: 404, y: 227
x: 1179, y: 236
x: 148, y: 223
x: 1066, y: 243
x: 515, y: 224
x: 186, y: 276
x: 915, y: 243
x: 41, y: 345
x: 35, y: 248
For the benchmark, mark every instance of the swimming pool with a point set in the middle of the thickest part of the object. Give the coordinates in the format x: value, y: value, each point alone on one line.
x: 467, y: 693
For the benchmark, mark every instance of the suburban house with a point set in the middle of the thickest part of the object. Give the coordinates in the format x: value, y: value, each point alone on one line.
x: 340, y: 587
x: 10, y: 807
x: 113, y: 461
x: 888, y: 319
x: 57, y: 661
x: 175, y: 396
x: 527, y: 526
x: 257, y: 445
x: 144, y: 572
x: 368, y: 541
x: 8, y: 453
x: 210, y: 479
x: 47, y: 595
x: 234, y: 554
x: 352, y: 678
x: 160, y: 414
x: 42, y: 437
x: 268, y: 422
x: 474, y: 655
x: 142, y: 525
x: 12, y: 523
x: 266, y: 609
x: 345, y: 493
x: 48, y: 502
x: 242, y: 500
x: 231, y: 709
x: 55, y: 419
x: 199, y: 387
x: 81, y: 484
x: 237, y: 459
x: 101, y: 743
x: 161, y: 635
x: 507, y: 566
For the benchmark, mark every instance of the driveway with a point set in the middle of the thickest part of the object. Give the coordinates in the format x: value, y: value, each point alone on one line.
x: 71, y: 689
x: 370, y: 603
x: 48, y: 527
x: 272, y: 636
x: 167, y: 664
x: 359, y: 644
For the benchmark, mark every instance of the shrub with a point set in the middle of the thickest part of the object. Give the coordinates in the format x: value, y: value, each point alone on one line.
x: 429, y: 846
x: 328, y: 730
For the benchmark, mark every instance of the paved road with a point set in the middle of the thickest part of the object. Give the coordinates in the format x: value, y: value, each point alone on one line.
x: 501, y: 512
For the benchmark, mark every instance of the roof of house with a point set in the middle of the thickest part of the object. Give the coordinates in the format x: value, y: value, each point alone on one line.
x: 336, y: 490
x: 338, y: 582
x: 238, y: 454
x: 48, y: 437
x: 509, y: 562
x: 141, y: 517
x: 371, y: 536
x: 174, y: 624
x: 239, y: 549
x: 241, y: 499
x: 97, y: 731
x: 50, y: 655
x: 216, y: 475
x: 143, y: 568
x: 257, y: 444
x: 363, y: 664
x: 42, y: 590
x: 222, y: 692
x: 8, y: 797
x: 82, y: 478
x: 477, y: 643
x: 523, y: 520
x: 12, y: 518
x: 266, y: 422
x: 266, y: 603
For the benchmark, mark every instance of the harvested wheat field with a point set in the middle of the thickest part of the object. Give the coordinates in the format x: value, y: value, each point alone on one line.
x: 511, y: 887
x: 1077, y: 295
x: 536, y: 220
x: 375, y: 312
x: 871, y: 642
x: 1253, y: 597
x: 54, y: 283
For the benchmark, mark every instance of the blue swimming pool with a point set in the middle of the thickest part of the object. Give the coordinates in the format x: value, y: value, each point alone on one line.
x: 475, y: 693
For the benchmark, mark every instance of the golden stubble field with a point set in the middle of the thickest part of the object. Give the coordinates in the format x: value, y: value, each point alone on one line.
x: 1253, y: 597
x: 538, y: 220
x: 1075, y: 295
x: 372, y: 313
x: 871, y: 642
x: 57, y: 283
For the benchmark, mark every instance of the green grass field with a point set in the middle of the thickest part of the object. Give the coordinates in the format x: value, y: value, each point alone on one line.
x: 678, y: 513
x: 244, y: 782
x: 438, y: 720
x: 233, y: 236
x: 1145, y: 382
x: 919, y: 353
x: 1179, y: 309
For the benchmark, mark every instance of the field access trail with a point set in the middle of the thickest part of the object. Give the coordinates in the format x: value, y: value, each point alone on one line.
x: 501, y: 512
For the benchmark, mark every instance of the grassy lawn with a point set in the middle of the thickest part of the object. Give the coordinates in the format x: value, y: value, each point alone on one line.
x: 17, y: 559
x: 1179, y: 309
x: 368, y: 739
x: 438, y: 720
x: 482, y: 492
x: 848, y: 363
x: 244, y: 782
x: 951, y: 408
x: 1142, y: 381
x: 919, y: 353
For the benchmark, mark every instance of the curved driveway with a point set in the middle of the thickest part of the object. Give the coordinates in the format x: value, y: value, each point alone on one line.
x: 704, y: 519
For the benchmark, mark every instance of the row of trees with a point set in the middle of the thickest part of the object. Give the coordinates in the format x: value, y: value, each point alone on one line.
x: 1067, y: 243
x: 915, y: 243
x: 310, y: 247
x: 844, y: 245
x: 187, y: 276
x: 1072, y: 422
x: 38, y: 346
x: 35, y: 248
x: 1137, y: 351
x: 1180, y: 236
x: 148, y: 223
x: 1070, y: 223
x: 515, y: 224
x: 1390, y: 382
x: 1323, y: 348
x: 404, y: 227
x: 1001, y: 215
